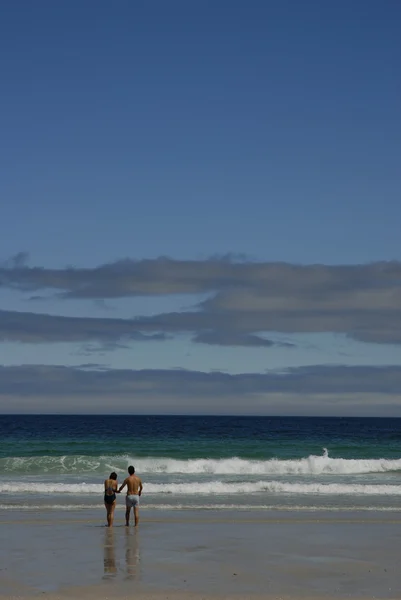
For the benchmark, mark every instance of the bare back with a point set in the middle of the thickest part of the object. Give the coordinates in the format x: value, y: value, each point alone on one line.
x: 110, y: 486
x: 134, y: 485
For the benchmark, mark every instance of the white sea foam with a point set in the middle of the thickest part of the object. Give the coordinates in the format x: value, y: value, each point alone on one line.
x: 311, y: 465
x: 210, y: 488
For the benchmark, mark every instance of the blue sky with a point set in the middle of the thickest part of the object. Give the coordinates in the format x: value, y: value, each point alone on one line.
x: 269, y: 132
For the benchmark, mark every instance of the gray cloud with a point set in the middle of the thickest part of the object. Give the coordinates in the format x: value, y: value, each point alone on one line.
x: 247, y: 298
x: 365, y: 325
x: 37, y: 328
x: 258, y: 286
x: 101, y: 348
x: 231, y: 338
x: 41, y: 328
x: 30, y: 380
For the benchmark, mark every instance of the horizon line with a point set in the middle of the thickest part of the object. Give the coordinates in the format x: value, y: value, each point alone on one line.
x: 207, y: 415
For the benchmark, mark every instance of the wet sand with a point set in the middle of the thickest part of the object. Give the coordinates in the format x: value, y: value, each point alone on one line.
x: 198, y: 555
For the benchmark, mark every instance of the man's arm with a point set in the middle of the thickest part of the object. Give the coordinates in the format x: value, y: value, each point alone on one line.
x: 122, y: 486
x: 140, y: 488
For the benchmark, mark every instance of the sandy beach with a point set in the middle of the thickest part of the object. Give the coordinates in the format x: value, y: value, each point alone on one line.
x: 204, y: 554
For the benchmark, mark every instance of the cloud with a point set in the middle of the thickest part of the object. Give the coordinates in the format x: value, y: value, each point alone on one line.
x: 231, y: 338
x: 34, y: 328
x: 258, y: 286
x: 245, y: 300
x: 100, y: 348
x: 18, y: 261
x: 41, y: 328
x: 319, y: 379
x: 305, y: 390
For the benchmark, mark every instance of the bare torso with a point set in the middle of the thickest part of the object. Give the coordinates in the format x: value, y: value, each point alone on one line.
x: 134, y: 485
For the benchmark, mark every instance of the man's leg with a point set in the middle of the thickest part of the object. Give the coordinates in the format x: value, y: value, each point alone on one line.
x: 136, y: 515
x: 127, y: 515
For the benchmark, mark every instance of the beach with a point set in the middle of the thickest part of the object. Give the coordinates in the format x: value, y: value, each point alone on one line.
x: 201, y: 554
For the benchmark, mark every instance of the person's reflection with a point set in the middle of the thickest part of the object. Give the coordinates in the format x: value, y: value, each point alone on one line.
x: 109, y: 557
x: 132, y: 558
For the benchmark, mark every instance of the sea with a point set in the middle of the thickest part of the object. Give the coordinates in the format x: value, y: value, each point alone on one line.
x: 59, y: 462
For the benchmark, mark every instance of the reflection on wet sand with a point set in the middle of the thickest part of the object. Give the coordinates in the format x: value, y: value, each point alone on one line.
x: 132, y: 556
x: 109, y: 557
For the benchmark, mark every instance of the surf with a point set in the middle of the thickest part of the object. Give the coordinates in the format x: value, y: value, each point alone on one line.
x: 210, y: 488
x: 309, y: 465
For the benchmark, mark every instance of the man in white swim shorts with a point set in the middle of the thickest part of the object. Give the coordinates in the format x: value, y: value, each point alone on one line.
x: 134, y: 490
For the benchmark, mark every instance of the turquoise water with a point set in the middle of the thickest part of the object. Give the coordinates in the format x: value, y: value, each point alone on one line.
x: 207, y: 462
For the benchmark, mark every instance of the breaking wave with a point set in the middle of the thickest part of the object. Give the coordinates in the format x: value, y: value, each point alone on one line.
x: 311, y: 465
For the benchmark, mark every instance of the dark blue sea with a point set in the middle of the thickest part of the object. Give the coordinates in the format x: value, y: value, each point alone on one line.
x: 247, y: 463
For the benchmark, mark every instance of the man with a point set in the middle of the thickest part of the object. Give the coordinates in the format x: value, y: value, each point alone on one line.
x: 134, y: 490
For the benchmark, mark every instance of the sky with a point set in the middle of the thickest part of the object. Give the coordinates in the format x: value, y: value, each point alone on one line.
x: 200, y: 207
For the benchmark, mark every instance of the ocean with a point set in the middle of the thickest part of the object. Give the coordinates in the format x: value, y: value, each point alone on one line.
x: 203, y: 463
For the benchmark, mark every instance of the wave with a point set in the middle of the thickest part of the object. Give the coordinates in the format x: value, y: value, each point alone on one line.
x: 210, y: 488
x: 311, y: 465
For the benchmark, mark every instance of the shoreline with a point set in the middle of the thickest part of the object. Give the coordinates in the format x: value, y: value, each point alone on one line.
x: 41, y: 507
x: 212, y: 514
